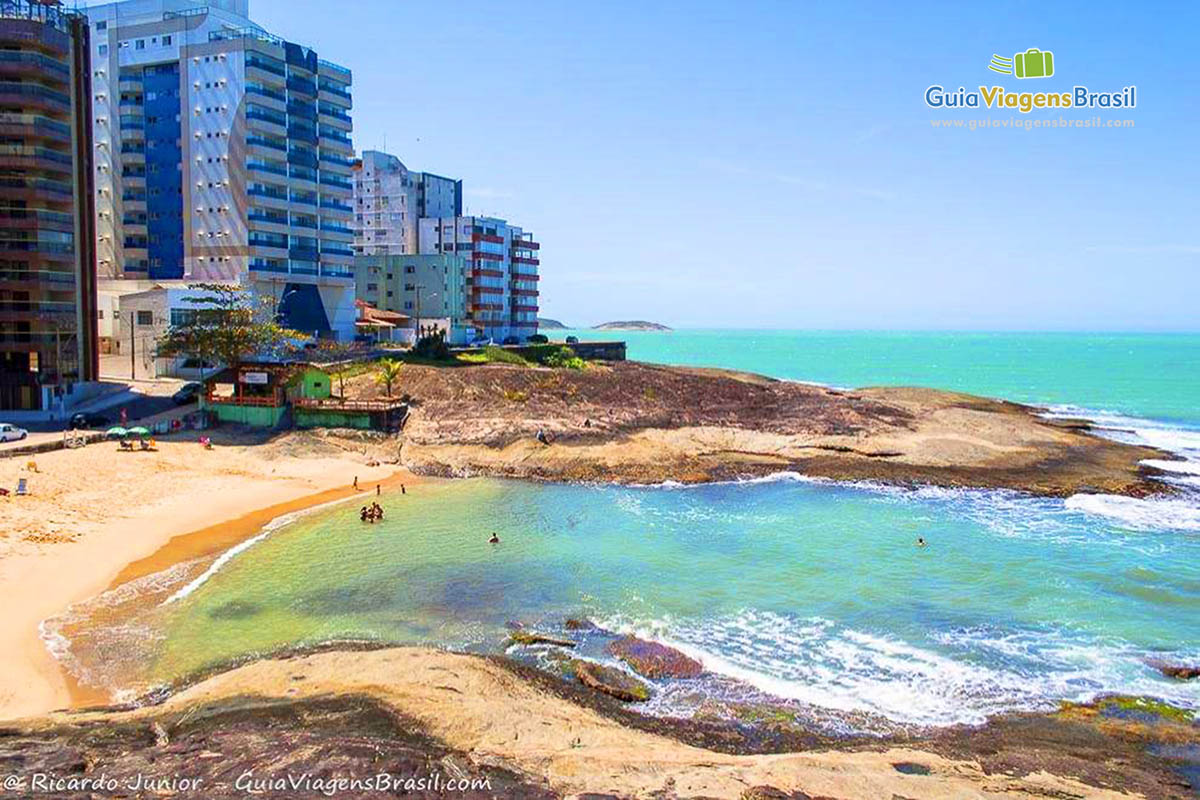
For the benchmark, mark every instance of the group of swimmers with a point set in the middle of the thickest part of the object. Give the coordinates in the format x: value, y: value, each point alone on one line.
x: 371, y: 513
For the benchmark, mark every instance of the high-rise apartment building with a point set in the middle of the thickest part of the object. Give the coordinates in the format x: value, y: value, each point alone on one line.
x: 389, y: 200
x: 223, y: 153
x: 502, y: 277
x: 48, y: 343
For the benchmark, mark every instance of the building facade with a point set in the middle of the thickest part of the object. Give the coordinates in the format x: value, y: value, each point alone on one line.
x: 431, y: 289
x: 223, y: 153
x: 502, y: 271
x: 48, y: 337
x: 389, y: 200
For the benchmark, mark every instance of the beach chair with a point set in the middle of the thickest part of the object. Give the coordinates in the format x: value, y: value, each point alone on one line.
x: 22, y: 487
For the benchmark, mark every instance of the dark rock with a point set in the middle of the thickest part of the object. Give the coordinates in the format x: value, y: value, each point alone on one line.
x: 654, y: 660
x: 530, y: 637
x: 772, y: 793
x: 1180, y: 672
x: 911, y: 768
x: 612, y: 682
x: 574, y: 624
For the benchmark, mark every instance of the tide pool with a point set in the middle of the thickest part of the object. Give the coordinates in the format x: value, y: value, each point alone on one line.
x: 807, y: 590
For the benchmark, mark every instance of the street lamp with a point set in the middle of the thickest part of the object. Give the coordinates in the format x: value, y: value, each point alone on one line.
x: 418, y: 289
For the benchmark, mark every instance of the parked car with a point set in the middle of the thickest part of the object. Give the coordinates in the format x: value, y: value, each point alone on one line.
x: 11, y: 433
x: 572, y: 340
x: 482, y: 341
x: 511, y: 340
x: 89, y: 419
x: 188, y: 393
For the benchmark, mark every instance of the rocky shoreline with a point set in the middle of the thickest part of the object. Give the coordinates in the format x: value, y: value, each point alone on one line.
x: 637, y: 423
x: 362, y: 710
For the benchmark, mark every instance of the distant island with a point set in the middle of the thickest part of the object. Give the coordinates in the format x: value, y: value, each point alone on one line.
x: 630, y: 325
x: 551, y: 324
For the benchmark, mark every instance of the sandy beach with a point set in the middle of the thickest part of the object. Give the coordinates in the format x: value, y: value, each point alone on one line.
x: 96, y: 516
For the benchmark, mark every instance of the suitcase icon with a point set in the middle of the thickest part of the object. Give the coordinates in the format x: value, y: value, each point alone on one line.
x: 1034, y: 63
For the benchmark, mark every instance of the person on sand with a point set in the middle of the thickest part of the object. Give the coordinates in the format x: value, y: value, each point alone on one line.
x: 402, y: 489
x: 495, y: 539
x: 356, y: 483
x: 378, y: 489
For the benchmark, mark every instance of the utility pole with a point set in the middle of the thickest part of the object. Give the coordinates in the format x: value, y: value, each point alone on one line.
x: 132, y: 347
x: 418, y: 290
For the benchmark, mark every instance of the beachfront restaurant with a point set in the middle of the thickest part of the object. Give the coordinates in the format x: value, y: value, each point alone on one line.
x: 250, y: 394
x: 314, y: 406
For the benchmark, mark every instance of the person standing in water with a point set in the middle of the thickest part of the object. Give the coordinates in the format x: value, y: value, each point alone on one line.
x: 495, y: 539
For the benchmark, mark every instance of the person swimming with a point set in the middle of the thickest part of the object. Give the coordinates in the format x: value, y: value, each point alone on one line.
x: 921, y: 542
x: 495, y: 539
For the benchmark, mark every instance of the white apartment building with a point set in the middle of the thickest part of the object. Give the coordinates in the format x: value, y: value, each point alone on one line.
x: 223, y: 153
x: 389, y: 200
x: 502, y: 271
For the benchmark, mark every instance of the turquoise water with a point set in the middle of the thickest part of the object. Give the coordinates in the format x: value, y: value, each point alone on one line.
x: 1147, y: 375
x: 802, y: 589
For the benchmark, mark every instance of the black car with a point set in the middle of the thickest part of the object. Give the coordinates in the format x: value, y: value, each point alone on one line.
x: 90, y: 419
x: 511, y: 340
x: 187, y: 393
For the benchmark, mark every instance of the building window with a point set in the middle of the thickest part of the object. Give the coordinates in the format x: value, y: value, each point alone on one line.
x: 101, y: 313
x: 102, y: 50
x: 102, y: 25
x: 166, y: 41
x: 410, y: 269
x: 145, y: 318
x: 139, y: 44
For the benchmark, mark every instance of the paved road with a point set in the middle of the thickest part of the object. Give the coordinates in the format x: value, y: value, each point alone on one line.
x: 140, y: 401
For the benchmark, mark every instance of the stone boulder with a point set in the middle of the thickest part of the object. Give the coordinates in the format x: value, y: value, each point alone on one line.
x: 612, y: 682
x: 653, y: 660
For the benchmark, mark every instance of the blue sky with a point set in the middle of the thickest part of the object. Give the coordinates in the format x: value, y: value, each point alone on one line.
x: 773, y: 164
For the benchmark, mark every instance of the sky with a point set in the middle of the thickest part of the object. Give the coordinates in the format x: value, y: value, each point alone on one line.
x: 774, y: 165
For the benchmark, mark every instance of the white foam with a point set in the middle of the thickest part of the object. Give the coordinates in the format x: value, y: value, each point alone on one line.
x: 1141, y: 514
x: 972, y: 675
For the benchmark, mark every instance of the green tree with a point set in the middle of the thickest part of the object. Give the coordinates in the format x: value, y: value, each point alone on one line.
x: 389, y: 373
x: 226, y: 324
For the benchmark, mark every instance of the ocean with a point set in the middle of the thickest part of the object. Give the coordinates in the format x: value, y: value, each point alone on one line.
x: 807, y: 590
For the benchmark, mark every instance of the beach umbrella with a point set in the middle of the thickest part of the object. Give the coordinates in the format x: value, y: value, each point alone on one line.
x: 117, y: 431
x: 139, y: 431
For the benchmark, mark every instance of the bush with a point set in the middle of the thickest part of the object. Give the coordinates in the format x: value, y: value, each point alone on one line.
x: 498, y: 355
x: 433, y: 347
x: 563, y: 358
x: 538, y: 338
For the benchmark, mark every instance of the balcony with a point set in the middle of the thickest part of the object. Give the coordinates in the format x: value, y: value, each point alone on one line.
x: 24, y: 125
x: 528, y: 244
x: 336, y: 206
x: 304, y: 86
x: 533, y: 262
x: 26, y: 94
x: 329, y: 180
x: 486, y: 237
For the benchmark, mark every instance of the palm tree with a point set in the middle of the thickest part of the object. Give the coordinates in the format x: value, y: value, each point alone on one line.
x: 389, y: 373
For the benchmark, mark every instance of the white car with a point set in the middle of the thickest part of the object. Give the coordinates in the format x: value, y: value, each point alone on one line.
x: 11, y: 433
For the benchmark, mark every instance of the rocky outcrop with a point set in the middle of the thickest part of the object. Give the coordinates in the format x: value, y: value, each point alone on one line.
x: 532, y: 637
x: 1180, y: 672
x: 654, y: 660
x: 612, y: 682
